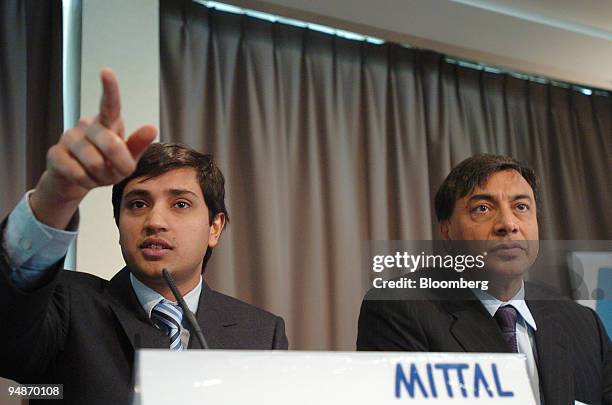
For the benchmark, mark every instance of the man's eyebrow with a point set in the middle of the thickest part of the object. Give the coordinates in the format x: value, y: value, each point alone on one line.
x: 522, y: 197
x: 138, y: 192
x: 181, y: 191
x: 489, y: 197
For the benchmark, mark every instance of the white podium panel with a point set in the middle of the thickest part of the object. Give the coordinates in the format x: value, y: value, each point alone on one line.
x: 300, y: 377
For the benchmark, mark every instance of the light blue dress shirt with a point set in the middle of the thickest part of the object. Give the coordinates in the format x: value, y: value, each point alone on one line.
x: 31, y: 246
x: 148, y: 298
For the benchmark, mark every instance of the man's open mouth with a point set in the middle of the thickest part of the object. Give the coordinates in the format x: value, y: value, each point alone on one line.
x: 155, y: 243
x: 154, y: 248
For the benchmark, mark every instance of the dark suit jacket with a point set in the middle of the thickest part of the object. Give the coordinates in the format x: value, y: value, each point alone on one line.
x: 574, y: 353
x: 82, y: 331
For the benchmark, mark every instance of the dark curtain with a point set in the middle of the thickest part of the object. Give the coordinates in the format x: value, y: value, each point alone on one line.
x: 326, y: 143
x: 31, y: 117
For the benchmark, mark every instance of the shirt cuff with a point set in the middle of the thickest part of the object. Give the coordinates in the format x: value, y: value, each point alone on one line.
x: 28, y: 241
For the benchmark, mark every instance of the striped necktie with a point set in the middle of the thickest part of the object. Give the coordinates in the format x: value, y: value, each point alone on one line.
x: 168, y: 317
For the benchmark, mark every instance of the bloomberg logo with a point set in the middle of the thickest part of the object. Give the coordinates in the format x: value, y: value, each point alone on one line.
x: 454, y: 379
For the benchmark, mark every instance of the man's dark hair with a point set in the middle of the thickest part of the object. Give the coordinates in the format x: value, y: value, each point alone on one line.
x: 475, y: 171
x: 161, y: 158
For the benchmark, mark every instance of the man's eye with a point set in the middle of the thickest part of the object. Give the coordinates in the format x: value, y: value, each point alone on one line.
x: 136, y: 204
x: 480, y: 209
x: 522, y: 207
x: 182, y: 204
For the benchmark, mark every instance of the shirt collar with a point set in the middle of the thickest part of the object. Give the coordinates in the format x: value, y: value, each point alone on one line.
x: 492, y: 304
x: 148, y: 297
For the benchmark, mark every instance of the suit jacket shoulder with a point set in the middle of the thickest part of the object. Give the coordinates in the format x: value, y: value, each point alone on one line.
x: 570, y: 337
x: 234, y: 324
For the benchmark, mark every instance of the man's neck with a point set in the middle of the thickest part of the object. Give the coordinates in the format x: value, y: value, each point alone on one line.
x: 161, y: 287
x: 148, y: 297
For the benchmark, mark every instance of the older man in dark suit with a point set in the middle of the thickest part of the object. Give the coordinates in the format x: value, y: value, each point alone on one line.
x: 81, y: 331
x: 491, y: 202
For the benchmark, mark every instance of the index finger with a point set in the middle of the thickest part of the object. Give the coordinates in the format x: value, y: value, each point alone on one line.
x: 110, y: 103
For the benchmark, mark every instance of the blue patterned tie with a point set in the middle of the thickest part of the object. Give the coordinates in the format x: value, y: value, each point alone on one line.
x: 506, y: 319
x: 168, y: 318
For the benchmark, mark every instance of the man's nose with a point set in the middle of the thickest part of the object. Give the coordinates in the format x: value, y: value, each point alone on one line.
x: 506, y: 223
x: 156, y: 220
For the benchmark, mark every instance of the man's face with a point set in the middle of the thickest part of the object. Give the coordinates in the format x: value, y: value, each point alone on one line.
x: 501, y: 218
x: 164, y: 223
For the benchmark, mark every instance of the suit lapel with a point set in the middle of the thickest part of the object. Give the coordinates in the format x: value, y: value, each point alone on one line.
x: 212, y: 320
x: 131, y: 316
x: 476, y: 331
x: 552, y: 347
x: 141, y: 333
x: 474, y: 328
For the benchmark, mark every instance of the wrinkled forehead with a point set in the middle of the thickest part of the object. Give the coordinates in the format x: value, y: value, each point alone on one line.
x: 508, y: 182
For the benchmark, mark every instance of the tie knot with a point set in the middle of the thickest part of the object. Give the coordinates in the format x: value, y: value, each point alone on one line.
x: 506, y: 318
x: 168, y: 318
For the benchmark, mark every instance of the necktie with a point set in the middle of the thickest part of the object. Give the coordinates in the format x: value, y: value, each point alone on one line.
x: 506, y: 319
x: 168, y: 318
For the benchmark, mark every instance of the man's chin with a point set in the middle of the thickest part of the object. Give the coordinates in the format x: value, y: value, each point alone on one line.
x: 504, y: 268
x: 148, y: 270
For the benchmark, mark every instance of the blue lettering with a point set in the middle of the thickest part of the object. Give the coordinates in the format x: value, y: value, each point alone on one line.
x: 413, y: 383
x: 400, y: 378
x: 445, y: 368
x: 500, y: 391
x: 460, y: 367
x: 432, y: 384
x: 478, y: 379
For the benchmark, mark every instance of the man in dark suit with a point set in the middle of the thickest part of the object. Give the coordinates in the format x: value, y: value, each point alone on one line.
x: 81, y: 331
x: 490, y: 202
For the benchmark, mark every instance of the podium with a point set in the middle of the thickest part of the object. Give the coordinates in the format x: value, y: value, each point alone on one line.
x: 303, y: 377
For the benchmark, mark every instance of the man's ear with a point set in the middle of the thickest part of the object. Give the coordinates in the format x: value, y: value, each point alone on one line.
x: 445, y: 229
x: 216, y: 228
